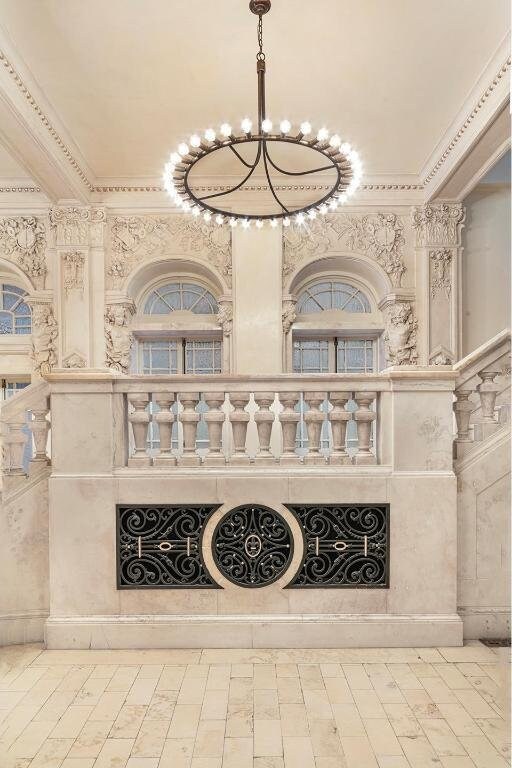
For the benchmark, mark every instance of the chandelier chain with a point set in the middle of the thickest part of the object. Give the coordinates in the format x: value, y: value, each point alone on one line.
x: 260, y: 55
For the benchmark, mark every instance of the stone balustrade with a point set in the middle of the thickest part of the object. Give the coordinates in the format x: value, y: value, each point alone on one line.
x: 25, y: 431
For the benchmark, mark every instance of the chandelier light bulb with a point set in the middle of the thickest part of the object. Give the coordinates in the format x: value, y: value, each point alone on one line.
x: 333, y: 204
x: 175, y: 158
x: 207, y: 216
x: 259, y: 223
x: 323, y: 209
x: 195, y: 140
x: 233, y: 223
x: 285, y: 126
x: 273, y: 223
x: 323, y: 134
x: 246, y: 125
x: 345, y: 148
x: 219, y: 219
x: 305, y: 128
x: 226, y: 130
x: 209, y: 135
x: 186, y: 206
x: 312, y: 214
x: 246, y: 223
x: 266, y: 125
x: 335, y: 140
x: 286, y: 222
x: 183, y: 149
x: 195, y: 212
x: 299, y: 219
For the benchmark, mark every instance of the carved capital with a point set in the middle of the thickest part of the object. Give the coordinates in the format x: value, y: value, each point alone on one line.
x: 438, y: 223
x: 76, y: 225
x: 23, y: 240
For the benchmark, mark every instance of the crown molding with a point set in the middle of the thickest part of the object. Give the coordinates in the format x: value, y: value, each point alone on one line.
x: 481, y: 107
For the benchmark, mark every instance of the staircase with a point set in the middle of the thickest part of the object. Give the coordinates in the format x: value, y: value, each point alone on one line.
x: 482, y: 466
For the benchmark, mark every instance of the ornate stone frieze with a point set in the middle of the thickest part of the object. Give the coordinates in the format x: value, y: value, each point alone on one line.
x: 23, y: 240
x: 438, y: 223
x: 441, y: 356
x: 44, y: 336
x: 225, y: 316
x: 73, y: 224
x: 74, y: 360
x: 400, y: 336
x: 378, y: 235
x: 441, y: 273
x: 137, y: 238
x: 73, y: 263
x: 118, y: 335
x: 289, y: 314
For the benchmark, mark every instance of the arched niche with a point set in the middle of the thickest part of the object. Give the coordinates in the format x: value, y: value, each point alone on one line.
x: 151, y: 273
x: 11, y: 272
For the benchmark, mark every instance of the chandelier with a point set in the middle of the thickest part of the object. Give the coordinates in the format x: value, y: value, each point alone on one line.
x: 307, y: 153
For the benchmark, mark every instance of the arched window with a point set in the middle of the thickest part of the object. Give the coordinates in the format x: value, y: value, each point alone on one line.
x: 15, y: 315
x: 330, y: 294
x: 173, y: 297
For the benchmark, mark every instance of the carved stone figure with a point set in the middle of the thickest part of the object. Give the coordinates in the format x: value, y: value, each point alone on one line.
x: 118, y: 336
x: 135, y: 239
x: 23, y: 239
x: 44, y: 337
x: 225, y: 317
x: 438, y: 223
x: 73, y: 271
x: 400, y: 336
x: 441, y: 272
x: 289, y: 315
x: 379, y: 236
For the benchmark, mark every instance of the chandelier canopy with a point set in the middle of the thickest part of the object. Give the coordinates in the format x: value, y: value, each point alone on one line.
x: 322, y: 155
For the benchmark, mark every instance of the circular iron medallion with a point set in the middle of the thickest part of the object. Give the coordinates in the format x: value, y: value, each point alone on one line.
x: 252, y: 546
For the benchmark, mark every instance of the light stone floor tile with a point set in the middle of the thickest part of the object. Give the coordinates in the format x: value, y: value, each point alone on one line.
x: 122, y: 679
x: 269, y: 762
x: 55, y: 706
x: 393, y: 761
x: 266, y: 705
x: 357, y: 678
x: 161, y: 705
x: 452, y: 676
x: 331, y: 670
x: 457, y: 762
x: 421, y: 704
x: 419, y: 752
x: 265, y: 677
x: 171, y: 678
x: 358, y: 752
x: 422, y: 669
x: 325, y: 739
x: 71, y: 722
x: 142, y: 762
x: 114, y: 753
x: 368, y: 704
x: 75, y: 678
x: 90, y: 739
x: 52, y: 753
x: 242, y: 670
x: 382, y: 737
x: 438, y: 691
x: 294, y: 720
x: 210, y: 738
x: 287, y: 670
x: 218, y: 677
x: 348, y: 720
x: 215, y: 705
x: 78, y: 762
x: 91, y: 691
x: 338, y: 690
x: 150, y: 671
x: 311, y: 678
x: 239, y: 723
x: 318, y: 705
x: 498, y: 733
x: 206, y: 762
x: 184, y: 721
x: 267, y: 738
x: 474, y: 704
x: 402, y: 720
x: 104, y: 671
x: 441, y: 737
x: 142, y: 690
x: 128, y: 721
x: 482, y: 752
x: 298, y: 751
x: 238, y: 753
x: 461, y: 723
x: 331, y: 762
x: 289, y: 690
x: 177, y: 753
x: 31, y: 739
x: 151, y: 737
x: 404, y: 677
x: 240, y: 690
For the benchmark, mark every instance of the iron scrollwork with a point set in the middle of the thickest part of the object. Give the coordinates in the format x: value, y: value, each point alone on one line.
x: 159, y: 546
x: 252, y: 546
x: 345, y: 545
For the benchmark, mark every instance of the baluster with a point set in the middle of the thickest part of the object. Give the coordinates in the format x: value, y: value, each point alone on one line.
x: 364, y: 417
x: 264, y: 419
x: 289, y: 419
x: 215, y: 418
x: 14, y: 446
x: 485, y: 425
x: 40, y: 427
x: 239, y: 420
x: 314, y: 419
x: 189, y: 419
x: 463, y: 408
x: 139, y: 419
x: 164, y: 418
x: 339, y: 417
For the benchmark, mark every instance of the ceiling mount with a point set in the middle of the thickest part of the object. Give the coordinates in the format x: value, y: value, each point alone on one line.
x: 260, y: 7
x: 282, y: 153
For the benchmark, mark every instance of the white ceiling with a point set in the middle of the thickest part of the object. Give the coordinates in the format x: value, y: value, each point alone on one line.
x: 10, y: 170
x: 131, y: 78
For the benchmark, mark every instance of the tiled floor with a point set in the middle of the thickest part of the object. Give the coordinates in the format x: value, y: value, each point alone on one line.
x: 367, y: 708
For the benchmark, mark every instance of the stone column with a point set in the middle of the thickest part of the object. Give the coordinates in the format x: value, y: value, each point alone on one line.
x: 189, y: 419
x: 257, y: 326
x: 239, y: 419
x: 364, y: 417
x: 289, y: 419
x: 264, y: 419
x: 314, y: 419
x: 339, y: 417
x: 215, y: 418
x: 164, y: 418
x: 438, y: 250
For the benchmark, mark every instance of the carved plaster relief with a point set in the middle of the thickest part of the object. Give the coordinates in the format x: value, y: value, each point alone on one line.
x: 135, y: 239
x: 438, y: 223
x: 23, y: 240
x: 289, y: 315
x: 118, y: 335
x: 225, y: 316
x: 441, y: 273
x: 44, y: 337
x: 73, y: 225
x: 74, y: 360
x: 378, y: 235
x: 73, y: 271
x: 400, y: 336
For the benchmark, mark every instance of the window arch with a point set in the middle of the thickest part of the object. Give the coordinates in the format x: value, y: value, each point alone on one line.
x: 332, y: 294
x: 15, y: 314
x: 173, y: 297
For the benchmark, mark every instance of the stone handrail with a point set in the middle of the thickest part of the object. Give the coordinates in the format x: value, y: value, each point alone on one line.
x: 25, y: 416
x: 482, y: 394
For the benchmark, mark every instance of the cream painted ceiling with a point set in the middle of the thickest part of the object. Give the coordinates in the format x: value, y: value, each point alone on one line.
x: 131, y: 78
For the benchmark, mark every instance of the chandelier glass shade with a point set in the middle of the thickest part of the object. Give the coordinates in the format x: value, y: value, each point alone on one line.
x: 262, y: 156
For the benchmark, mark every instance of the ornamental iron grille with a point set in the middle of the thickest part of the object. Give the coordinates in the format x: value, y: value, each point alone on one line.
x: 252, y: 546
x: 345, y: 545
x: 159, y: 546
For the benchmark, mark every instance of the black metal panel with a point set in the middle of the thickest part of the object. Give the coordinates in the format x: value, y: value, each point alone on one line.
x: 252, y: 545
x: 345, y: 545
x: 159, y: 546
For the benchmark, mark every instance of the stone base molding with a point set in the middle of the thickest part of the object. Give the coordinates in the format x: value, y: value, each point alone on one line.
x: 264, y: 631
x: 19, y: 628
x: 486, y: 622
